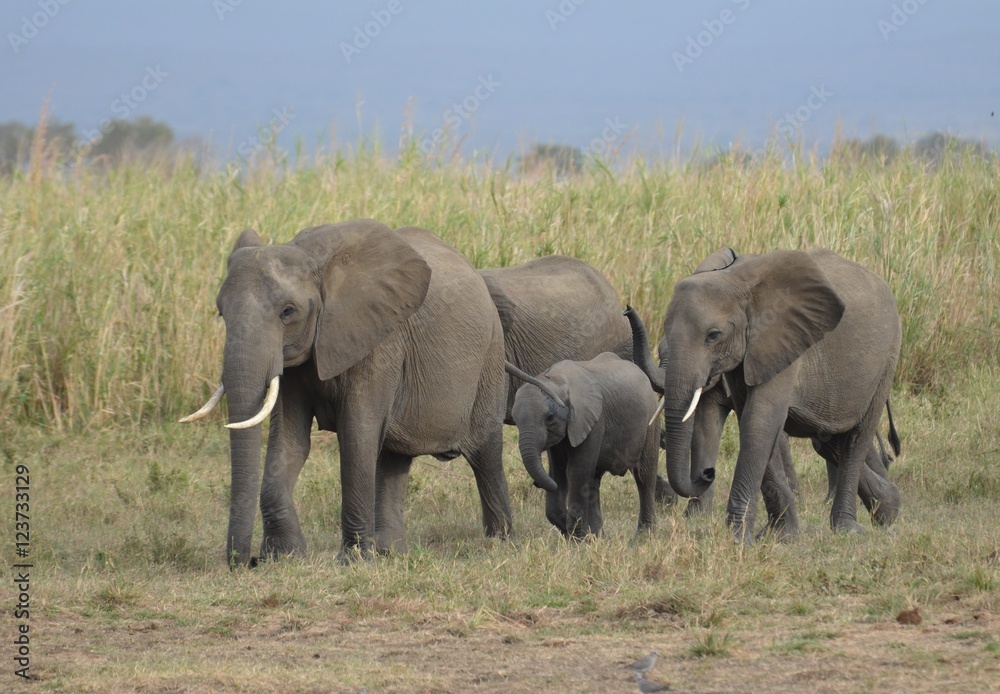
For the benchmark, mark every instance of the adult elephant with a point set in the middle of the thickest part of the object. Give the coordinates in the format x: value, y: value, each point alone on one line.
x: 555, y: 308
x: 389, y: 338
x: 806, y: 342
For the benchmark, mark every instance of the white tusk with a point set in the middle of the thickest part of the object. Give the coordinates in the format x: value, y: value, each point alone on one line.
x: 272, y: 397
x: 659, y: 409
x: 206, y: 408
x: 694, y: 404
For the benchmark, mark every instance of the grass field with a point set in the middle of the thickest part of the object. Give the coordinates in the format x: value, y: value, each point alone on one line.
x: 108, y: 333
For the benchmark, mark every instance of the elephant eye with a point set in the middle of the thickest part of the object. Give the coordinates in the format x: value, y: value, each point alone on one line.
x: 287, y: 312
x: 713, y: 336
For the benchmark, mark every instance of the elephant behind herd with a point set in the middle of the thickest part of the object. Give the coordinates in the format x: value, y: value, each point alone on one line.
x: 394, y: 341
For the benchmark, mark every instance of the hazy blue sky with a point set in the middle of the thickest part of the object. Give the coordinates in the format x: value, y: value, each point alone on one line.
x: 545, y: 71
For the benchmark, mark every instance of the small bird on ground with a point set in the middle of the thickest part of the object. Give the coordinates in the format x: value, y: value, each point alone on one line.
x: 650, y: 686
x: 645, y: 663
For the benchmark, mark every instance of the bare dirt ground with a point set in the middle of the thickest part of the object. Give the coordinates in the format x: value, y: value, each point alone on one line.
x: 952, y: 652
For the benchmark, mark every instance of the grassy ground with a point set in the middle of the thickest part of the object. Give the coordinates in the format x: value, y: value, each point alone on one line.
x: 107, y: 335
x: 130, y: 591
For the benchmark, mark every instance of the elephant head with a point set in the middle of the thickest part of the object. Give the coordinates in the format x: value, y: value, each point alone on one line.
x: 752, y: 318
x: 562, y: 404
x: 331, y: 296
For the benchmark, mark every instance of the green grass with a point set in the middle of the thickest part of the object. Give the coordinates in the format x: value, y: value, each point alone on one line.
x: 108, y: 334
x: 107, y: 310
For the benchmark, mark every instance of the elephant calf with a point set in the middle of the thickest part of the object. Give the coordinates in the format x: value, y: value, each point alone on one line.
x: 593, y: 417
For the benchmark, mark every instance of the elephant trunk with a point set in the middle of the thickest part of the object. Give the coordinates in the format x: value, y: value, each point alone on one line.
x: 245, y: 378
x: 678, y: 437
x: 531, y: 456
x: 640, y: 351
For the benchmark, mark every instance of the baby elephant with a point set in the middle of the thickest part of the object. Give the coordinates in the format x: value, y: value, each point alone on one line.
x: 592, y: 417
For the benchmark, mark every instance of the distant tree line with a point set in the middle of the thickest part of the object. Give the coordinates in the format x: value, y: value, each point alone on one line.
x: 146, y: 139
x: 119, y: 140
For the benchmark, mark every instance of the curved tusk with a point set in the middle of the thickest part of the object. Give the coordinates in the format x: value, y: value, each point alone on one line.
x: 659, y: 409
x: 694, y: 404
x: 272, y: 397
x: 206, y: 408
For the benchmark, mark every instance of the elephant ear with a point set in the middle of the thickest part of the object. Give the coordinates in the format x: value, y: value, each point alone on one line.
x: 248, y: 237
x: 792, y: 307
x: 503, y: 302
x: 372, y: 282
x: 586, y: 402
x: 720, y: 260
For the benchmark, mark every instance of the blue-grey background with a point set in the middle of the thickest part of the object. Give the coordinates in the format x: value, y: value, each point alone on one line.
x: 229, y: 66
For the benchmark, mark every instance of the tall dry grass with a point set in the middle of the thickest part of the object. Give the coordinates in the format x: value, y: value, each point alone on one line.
x: 108, y: 277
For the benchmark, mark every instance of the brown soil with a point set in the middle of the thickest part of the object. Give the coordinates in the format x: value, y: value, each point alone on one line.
x: 952, y: 653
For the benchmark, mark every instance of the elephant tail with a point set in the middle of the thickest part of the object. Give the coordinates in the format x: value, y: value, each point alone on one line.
x: 893, y: 434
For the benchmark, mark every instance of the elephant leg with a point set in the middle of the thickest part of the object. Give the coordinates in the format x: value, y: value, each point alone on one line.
x: 287, y: 450
x: 844, y: 511
x: 391, y: 477
x: 555, y: 502
x: 663, y: 493
x: 359, y: 443
x: 762, y: 421
x: 646, y: 482
x: 788, y: 468
x: 579, y: 478
x: 595, y: 519
x: 491, y: 481
x: 879, y: 495
x: 779, y: 499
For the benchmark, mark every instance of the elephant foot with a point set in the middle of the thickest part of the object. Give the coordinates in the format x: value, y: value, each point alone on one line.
x: 848, y: 527
x: 391, y: 545
x: 781, y: 531
x: 274, y: 547
x: 698, y: 506
x: 883, y: 507
x: 361, y: 550
x: 665, y: 495
x: 742, y: 532
x: 885, y: 514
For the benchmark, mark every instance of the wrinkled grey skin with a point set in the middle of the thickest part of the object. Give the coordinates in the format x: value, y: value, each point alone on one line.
x: 557, y: 307
x: 554, y: 308
x: 389, y: 338
x: 807, y: 342
x: 603, y: 427
x: 710, y: 418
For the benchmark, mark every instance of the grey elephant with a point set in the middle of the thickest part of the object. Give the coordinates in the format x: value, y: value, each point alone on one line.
x: 710, y: 418
x: 388, y: 338
x: 593, y: 418
x: 557, y: 307
x: 554, y: 308
x: 806, y: 343
x: 880, y: 498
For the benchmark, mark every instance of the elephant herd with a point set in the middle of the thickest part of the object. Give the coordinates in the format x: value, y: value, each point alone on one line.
x: 392, y: 339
